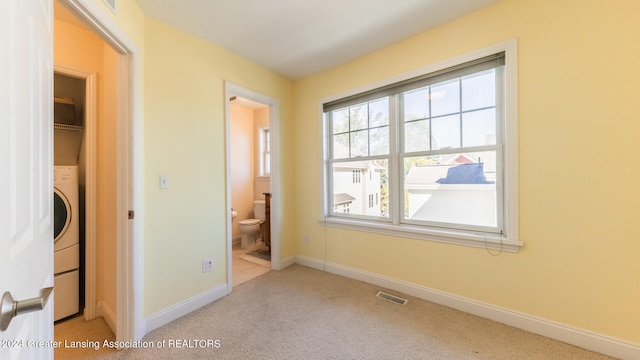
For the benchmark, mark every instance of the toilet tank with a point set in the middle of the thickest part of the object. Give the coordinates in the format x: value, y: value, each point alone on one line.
x: 258, y: 209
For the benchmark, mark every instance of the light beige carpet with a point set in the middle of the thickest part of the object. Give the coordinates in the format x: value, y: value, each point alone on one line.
x: 302, y: 313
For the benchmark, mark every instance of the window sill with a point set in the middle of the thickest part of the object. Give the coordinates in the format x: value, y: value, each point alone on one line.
x: 478, y: 240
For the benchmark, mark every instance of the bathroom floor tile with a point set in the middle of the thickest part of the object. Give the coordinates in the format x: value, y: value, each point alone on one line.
x: 244, y: 270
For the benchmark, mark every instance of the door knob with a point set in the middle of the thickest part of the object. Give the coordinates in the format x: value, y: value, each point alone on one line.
x: 11, y: 308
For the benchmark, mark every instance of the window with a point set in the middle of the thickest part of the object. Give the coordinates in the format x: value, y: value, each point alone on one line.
x: 356, y: 176
x: 265, y: 152
x: 439, y: 151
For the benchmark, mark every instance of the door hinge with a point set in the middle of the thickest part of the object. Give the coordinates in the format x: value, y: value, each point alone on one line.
x: 131, y: 214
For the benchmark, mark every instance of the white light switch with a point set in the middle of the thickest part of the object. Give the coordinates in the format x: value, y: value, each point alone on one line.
x: 164, y: 181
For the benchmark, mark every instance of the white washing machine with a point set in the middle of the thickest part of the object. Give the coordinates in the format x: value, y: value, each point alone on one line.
x: 66, y: 243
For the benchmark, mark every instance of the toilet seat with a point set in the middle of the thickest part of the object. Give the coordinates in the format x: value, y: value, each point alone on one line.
x: 250, y: 222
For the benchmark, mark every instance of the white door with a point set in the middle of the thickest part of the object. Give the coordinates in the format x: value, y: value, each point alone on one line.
x: 26, y: 172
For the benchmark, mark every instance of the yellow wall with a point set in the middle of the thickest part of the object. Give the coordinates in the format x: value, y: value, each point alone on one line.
x: 129, y: 18
x: 578, y: 182
x: 578, y: 178
x: 185, y: 138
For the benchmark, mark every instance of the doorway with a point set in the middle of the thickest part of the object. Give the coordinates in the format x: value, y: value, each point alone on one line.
x: 251, y: 98
x: 126, y: 317
x: 250, y: 187
x: 75, y: 146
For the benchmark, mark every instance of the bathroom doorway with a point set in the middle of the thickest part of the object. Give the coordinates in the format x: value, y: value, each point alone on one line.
x: 252, y: 177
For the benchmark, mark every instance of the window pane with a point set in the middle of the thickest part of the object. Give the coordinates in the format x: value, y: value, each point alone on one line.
x: 267, y: 140
x: 479, y: 128
x: 341, y: 146
x: 379, y: 112
x: 359, y: 143
x: 267, y: 163
x: 445, y: 132
x: 361, y: 130
x: 452, y: 188
x: 358, y: 116
x: 416, y: 104
x: 379, y: 141
x: 445, y: 98
x: 479, y: 90
x: 416, y: 136
x: 353, y: 197
x: 340, y: 120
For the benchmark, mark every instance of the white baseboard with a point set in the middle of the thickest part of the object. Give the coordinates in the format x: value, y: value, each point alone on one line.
x: 285, y: 263
x: 183, y: 308
x: 572, y: 335
x: 103, y: 309
x: 311, y: 262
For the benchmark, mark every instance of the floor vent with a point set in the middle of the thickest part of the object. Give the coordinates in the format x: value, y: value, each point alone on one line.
x: 395, y: 299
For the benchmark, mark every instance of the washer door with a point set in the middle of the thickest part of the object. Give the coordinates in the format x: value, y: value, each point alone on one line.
x: 61, y: 214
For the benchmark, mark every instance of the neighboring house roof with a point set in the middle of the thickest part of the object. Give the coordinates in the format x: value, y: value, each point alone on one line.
x: 440, y: 173
x: 342, y: 198
x: 420, y: 175
x: 485, y: 157
x: 471, y: 173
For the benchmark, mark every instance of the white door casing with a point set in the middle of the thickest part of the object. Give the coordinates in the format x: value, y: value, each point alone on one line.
x: 128, y: 315
x: 26, y: 181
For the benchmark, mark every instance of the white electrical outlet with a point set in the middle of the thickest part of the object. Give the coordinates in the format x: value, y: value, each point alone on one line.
x: 207, y: 265
x: 306, y: 239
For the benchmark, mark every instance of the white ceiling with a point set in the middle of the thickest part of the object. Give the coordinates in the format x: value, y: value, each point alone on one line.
x: 297, y: 38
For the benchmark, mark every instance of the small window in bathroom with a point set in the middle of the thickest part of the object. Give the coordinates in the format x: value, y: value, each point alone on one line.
x: 265, y: 152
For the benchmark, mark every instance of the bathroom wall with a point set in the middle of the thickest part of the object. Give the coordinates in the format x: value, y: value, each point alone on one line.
x: 242, y: 164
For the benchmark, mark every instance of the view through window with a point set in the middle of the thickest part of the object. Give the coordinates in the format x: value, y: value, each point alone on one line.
x: 424, y: 152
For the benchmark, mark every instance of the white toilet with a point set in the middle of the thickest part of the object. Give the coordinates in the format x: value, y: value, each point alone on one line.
x: 250, y: 228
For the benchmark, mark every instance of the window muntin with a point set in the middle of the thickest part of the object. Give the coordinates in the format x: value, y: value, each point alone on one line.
x: 453, y: 114
x: 449, y: 123
x: 361, y: 130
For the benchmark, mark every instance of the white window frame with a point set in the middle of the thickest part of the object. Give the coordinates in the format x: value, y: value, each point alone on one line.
x: 509, y: 239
